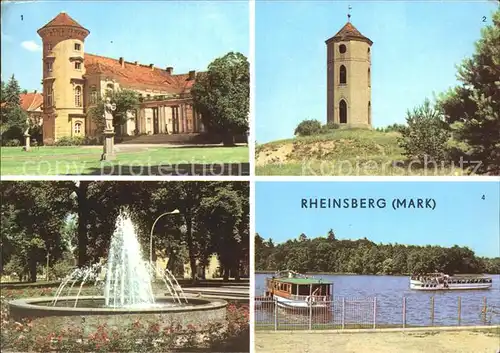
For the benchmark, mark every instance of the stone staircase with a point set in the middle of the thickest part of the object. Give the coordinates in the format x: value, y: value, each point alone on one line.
x: 175, y: 139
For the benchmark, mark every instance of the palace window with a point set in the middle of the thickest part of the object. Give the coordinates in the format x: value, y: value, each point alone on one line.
x: 78, y: 65
x: 50, y: 94
x: 78, y: 96
x: 342, y: 49
x: 343, y: 112
x: 343, y: 75
x: 49, y: 66
x: 77, y: 46
x: 93, y: 95
x: 77, y: 129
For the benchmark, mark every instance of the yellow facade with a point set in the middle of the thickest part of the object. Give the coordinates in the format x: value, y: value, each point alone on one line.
x: 349, y: 79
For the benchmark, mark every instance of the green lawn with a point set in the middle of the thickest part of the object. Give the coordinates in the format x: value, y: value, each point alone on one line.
x: 344, y: 152
x: 80, y: 160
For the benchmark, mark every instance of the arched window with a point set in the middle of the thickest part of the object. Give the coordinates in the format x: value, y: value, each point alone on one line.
x: 110, y: 87
x: 342, y: 48
x: 369, y: 54
x: 343, y: 112
x: 369, y: 78
x: 78, y: 96
x: 343, y: 75
x: 369, y: 113
x: 77, y: 129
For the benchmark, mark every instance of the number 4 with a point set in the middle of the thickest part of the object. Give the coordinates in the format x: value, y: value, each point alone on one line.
x: 483, y: 198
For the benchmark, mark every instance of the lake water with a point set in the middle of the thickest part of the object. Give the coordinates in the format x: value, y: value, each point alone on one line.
x: 389, y: 292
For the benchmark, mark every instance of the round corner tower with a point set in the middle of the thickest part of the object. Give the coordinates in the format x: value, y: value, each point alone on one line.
x: 63, y: 78
x: 348, y: 78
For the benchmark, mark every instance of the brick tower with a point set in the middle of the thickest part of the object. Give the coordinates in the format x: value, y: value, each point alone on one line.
x: 348, y: 78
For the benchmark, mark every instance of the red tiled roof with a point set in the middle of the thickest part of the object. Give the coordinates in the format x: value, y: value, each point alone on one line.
x: 63, y: 19
x: 31, y: 101
x: 140, y: 75
x: 349, y: 32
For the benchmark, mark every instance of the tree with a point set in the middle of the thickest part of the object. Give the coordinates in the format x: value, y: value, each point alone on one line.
x: 425, y: 135
x: 222, y: 96
x: 308, y: 128
x: 126, y: 101
x: 473, y: 108
x: 13, y: 117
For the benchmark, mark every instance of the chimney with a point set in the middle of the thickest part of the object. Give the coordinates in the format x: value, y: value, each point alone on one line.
x: 170, y: 70
x: 151, y: 66
x: 136, y: 63
x: 192, y: 74
x: 122, y: 62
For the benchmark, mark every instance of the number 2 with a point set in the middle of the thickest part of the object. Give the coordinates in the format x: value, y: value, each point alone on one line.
x: 484, y: 18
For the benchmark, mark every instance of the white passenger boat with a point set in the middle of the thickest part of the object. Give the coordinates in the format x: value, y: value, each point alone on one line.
x: 293, y: 290
x: 441, y: 281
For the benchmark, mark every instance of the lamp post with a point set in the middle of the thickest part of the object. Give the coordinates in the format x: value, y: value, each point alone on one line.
x: 176, y: 211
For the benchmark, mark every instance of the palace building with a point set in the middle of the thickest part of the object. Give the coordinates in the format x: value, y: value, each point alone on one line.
x: 73, y: 80
x: 348, y: 78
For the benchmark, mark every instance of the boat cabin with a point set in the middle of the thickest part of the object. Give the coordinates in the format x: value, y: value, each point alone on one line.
x: 300, y: 289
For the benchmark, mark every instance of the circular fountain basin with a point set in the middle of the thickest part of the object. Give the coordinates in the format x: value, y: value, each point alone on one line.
x: 91, y: 312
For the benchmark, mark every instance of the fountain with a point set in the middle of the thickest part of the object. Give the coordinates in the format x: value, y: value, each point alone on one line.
x: 125, y: 281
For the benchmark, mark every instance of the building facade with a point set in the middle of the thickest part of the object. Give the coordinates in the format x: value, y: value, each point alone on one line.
x: 74, y: 80
x: 349, y: 78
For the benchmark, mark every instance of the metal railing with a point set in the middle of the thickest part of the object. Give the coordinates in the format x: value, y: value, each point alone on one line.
x: 372, y: 313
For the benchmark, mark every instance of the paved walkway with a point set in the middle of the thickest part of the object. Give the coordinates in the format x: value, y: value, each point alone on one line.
x: 429, y: 341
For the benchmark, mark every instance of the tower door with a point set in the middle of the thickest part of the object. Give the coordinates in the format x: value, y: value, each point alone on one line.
x: 343, y: 112
x: 156, y: 121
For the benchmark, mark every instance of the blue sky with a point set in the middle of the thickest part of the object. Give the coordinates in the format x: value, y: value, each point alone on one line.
x: 416, y: 48
x: 186, y: 35
x: 461, y: 216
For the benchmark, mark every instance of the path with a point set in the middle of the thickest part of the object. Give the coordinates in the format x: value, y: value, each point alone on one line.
x: 378, y: 342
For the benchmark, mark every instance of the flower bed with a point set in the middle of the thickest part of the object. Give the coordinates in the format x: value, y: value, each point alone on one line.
x: 138, y: 336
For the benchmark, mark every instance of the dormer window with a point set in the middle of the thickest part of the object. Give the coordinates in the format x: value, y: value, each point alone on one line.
x: 77, y: 46
x: 78, y: 65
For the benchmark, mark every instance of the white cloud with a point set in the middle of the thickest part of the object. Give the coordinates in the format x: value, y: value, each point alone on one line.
x: 31, y: 46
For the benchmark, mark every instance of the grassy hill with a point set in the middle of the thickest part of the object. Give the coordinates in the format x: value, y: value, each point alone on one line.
x: 343, y: 152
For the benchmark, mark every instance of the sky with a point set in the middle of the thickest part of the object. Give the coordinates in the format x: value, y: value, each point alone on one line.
x: 186, y: 35
x: 417, y: 45
x: 461, y: 216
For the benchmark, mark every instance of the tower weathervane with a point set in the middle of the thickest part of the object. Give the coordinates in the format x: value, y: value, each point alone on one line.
x: 349, y: 8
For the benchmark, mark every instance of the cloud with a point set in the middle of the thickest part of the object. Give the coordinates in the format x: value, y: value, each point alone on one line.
x: 31, y: 46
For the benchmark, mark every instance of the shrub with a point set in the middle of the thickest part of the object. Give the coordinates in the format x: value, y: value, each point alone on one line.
x: 425, y: 135
x: 329, y: 127
x: 13, y: 143
x: 61, y: 269
x: 308, y: 128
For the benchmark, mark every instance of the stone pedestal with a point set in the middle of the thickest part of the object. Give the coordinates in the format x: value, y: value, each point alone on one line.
x: 108, y: 153
x: 27, y: 146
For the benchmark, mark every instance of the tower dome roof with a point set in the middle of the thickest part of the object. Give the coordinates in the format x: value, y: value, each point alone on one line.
x: 349, y: 32
x: 63, y: 20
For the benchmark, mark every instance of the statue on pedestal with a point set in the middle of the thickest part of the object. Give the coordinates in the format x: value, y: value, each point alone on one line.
x: 109, y: 133
x: 109, y: 108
